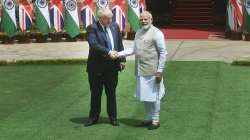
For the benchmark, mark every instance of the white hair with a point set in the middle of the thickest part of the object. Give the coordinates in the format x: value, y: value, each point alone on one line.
x: 104, y: 12
x: 148, y: 14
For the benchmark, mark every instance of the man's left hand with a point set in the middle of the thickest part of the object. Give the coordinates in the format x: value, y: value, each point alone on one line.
x: 122, y: 65
x: 113, y: 55
x: 158, y: 77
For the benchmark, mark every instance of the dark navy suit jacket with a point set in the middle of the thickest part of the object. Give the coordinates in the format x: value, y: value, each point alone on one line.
x: 98, y: 59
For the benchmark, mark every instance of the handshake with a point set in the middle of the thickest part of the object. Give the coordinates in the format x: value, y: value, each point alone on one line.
x: 113, y: 55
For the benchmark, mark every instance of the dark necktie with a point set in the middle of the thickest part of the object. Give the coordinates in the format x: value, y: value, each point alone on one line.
x: 108, y: 39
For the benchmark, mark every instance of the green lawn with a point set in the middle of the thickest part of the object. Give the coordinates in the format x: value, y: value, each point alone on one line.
x: 205, y: 101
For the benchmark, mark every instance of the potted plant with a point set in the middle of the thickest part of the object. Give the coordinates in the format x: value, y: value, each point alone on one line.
x: 6, y: 39
x: 23, y: 37
x: 40, y: 37
x: 82, y: 35
x: 236, y: 36
x: 55, y: 36
x: 69, y: 38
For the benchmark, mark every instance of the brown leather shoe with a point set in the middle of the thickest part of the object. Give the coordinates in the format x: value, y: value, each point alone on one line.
x: 153, y: 126
x: 114, y: 123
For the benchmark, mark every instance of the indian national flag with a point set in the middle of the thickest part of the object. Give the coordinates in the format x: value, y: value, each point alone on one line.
x: 71, y: 18
x: 247, y: 16
x: 227, y: 29
x: 9, y: 18
x: 134, y: 14
x: 0, y: 15
x: 42, y: 16
x: 101, y: 4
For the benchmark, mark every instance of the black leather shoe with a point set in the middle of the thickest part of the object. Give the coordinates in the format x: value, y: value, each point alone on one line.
x: 114, y: 123
x: 154, y: 126
x: 90, y: 122
x: 144, y: 124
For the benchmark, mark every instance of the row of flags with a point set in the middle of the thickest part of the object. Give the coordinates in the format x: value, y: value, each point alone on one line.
x: 44, y: 15
x: 238, y: 16
x: 61, y: 15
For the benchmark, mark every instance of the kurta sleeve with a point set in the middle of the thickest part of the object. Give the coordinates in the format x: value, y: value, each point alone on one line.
x: 127, y: 52
x: 161, y: 48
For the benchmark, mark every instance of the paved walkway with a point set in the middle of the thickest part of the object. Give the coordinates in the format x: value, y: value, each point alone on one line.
x: 181, y: 50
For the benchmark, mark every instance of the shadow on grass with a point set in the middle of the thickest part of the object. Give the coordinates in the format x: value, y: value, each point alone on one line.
x: 81, y: 120
x: 105, y: 120
x: 130, y: 122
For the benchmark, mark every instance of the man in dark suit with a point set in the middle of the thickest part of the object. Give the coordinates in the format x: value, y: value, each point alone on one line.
x: 105, y: 41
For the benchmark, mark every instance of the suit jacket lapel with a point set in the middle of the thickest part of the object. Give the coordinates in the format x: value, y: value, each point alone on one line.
x: 103, y: 35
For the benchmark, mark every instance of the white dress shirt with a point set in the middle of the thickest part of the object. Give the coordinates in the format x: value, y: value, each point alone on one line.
x: 109, y: 33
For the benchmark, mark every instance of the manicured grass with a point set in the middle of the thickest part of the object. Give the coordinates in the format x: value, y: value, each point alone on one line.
x: 205, y: 101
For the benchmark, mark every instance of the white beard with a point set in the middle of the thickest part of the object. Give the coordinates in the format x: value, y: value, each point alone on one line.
x: 146, y: 27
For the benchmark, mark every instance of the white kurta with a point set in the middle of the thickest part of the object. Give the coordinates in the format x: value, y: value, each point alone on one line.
x: 147, y: 89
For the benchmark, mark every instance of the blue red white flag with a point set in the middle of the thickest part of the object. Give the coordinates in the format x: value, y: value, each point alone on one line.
x: 87, y: 12
x: 25, y: 15
x: 118, y: 10
x: 237, y: 4
x: 142, y: 5
x: 56, y: 14
x: 235, y: 15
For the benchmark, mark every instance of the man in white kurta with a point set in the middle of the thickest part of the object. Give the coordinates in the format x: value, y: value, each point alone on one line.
x: 150, y: 57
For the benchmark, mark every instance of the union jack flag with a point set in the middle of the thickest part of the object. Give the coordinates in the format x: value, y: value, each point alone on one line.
x: 118, y: 10
x: 238, y: 7
x: 25, y: 14
x: 235, y: 14
x: 56, y: 15
x: 87, y: 14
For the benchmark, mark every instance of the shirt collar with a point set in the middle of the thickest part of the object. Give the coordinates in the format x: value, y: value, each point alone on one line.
x: 103, y: 27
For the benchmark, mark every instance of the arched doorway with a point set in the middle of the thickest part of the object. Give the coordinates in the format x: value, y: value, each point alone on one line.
x: 187, y: 12
x: 201, y: 18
